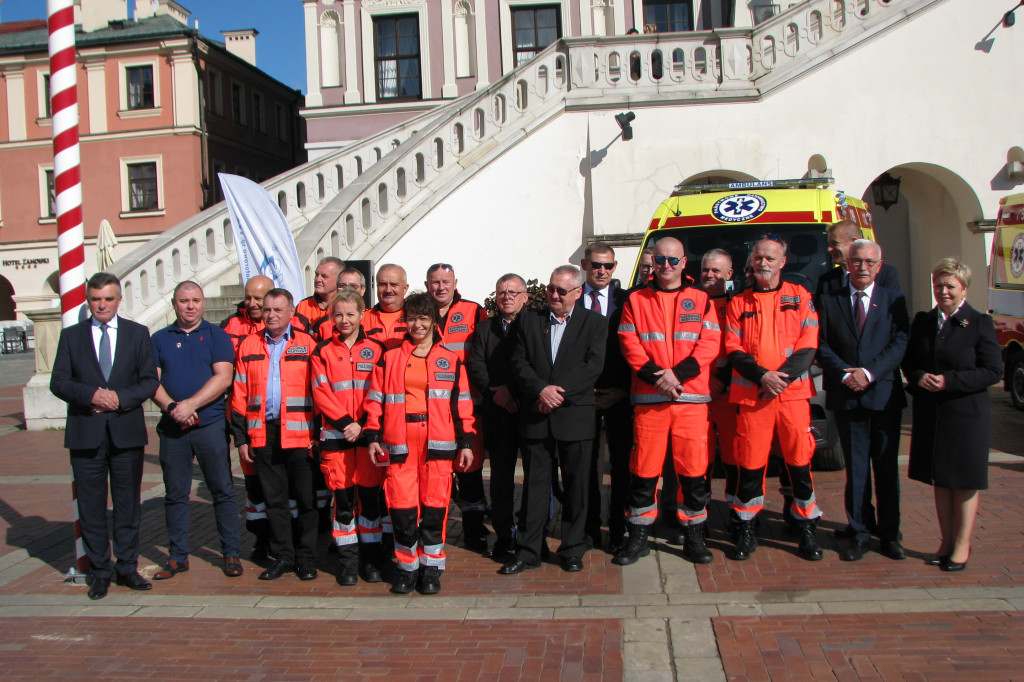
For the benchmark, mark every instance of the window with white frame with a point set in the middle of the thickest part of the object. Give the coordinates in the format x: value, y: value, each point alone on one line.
x: 44, y: 95
x: 47, y: 194
x: 142, y: 190
x: 140, y: 93
x: 533, y: 29
x: 396, y: 45
x: 668, y: 16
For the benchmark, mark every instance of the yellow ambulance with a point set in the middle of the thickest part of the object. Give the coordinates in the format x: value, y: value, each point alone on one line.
x: 732, y: 216
x: 1006, y: 292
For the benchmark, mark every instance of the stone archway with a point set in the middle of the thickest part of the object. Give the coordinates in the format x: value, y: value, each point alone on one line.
x: 929, y: 222
x: 7, y: 305
x: 718, y: 175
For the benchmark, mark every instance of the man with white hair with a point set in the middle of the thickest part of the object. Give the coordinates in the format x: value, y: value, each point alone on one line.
x: 558, y: 357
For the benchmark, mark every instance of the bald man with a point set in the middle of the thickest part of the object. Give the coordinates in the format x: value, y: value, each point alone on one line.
x: 385, y: 321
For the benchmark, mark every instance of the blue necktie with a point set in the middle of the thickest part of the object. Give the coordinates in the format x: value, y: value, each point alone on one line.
x: 106, y: 363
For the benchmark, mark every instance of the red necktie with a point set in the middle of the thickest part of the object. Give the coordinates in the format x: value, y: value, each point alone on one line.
x: 860, y: 316
x: 595, y: 301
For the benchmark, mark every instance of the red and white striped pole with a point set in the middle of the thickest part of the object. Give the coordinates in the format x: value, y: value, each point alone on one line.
x: 67, y: 182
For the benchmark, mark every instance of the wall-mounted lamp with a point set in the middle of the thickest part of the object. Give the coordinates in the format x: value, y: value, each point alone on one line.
x: 886, y: 190
x: 624, y: 121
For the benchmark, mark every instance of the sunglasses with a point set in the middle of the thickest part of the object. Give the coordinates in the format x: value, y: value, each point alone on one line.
x: 672, y: 260
x: 439, y: 266
x: 594, y: 265
x: 561, y: 292
x: 770, y: 236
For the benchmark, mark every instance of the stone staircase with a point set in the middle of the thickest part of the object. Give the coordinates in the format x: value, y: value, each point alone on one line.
x: 358, y: 202
x: 223, y: 306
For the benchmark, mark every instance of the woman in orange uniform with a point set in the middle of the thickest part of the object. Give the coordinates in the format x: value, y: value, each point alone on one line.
x: 419, y: 421
x: 340, y: 371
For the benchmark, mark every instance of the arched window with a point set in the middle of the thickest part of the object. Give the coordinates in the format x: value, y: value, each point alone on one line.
x: 382, y: 199
x: 330, y: 49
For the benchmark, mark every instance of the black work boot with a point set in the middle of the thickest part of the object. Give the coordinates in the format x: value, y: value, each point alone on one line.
x: 695, y: 551
x: 430, y: 580
x: 791, y: 526
x: 636, y: 547
x: 474, y: 531
x: 406, y: 582
x: 370, y: 560
x: 745, y: 539
x: 809, y: 548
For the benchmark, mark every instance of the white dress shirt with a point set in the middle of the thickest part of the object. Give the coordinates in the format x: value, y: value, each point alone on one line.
x: 866, y: 302
x: 111, y: 333
x: 602, y: 297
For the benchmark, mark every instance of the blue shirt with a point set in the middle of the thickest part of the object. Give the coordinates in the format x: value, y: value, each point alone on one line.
x: 275, y: 349
x: 186, y: 362
x: 557, y: 329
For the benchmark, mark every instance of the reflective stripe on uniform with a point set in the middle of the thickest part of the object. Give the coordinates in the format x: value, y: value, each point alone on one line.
x: 397, y: 449
x: 652, y: 336
x: 440, y: 445
x: 439, y: 393
x: 712, y: 326
x: 341, y: 385
x: 299, y: 426
x: 369, y: 529
x: 737, y: 332
x: 299, y: 404
x: 455, y: 346
x: 394, y: 398
x: 254, y: 403
x: 432, y: 555
x: 344, y: 534
x: 748, y: 510
x: 627, y: 328
x: 809, y: 322
x: 241, y: 378
x: 254, y: 424
x: 689, y: 517
x: 465, y: 395
x: 319, y: 379
x: 364, y: 384
x: 685, y: 336
x: 408, y: 558
x: 375, y: 396
x: 254, y: 512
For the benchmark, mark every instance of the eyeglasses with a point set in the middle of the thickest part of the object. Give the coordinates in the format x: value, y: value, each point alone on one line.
x: 607, y: 266
x: 672, y: 260
x: 439, y: 266
x: 561, y: 292
x: 870, y: 262
x: 510, y: 293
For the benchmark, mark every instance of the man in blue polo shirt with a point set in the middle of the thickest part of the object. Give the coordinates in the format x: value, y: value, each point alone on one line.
x: 195, y: 363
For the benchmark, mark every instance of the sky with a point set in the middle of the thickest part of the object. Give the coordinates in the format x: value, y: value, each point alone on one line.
x: 280, y: 45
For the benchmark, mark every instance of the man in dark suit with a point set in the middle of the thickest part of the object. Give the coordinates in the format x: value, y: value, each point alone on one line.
x: 104, y: 371
x: 602, y: 295
x: 490, y: 373
x: 558, y: 357
x: 840, y: 236
x: 862, y: 337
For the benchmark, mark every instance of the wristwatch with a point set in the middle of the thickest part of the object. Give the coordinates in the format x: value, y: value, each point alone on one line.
x: 171, y: 406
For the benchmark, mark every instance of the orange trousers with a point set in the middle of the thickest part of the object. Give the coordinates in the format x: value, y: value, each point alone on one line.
x: 722, y: 434
x: 355, y: 483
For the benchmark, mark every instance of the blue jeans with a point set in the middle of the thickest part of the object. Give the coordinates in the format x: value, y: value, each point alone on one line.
x: 208, y: 445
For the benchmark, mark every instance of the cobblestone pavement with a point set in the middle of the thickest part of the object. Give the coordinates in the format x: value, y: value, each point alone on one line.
x: 773, y: 617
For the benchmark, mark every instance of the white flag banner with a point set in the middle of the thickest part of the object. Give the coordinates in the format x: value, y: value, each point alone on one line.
x: 263, y: 240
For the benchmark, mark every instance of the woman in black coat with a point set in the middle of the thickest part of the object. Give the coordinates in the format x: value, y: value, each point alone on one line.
x: 952, y: 358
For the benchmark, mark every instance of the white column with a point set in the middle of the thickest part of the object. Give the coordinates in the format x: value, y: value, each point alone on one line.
x: 95, y: 77
x: 313, y: 97
x: 185, y: 83
x: 586, y: 20
x: 16, y: 105
x: 483, y: 65
x: 449, y: 89
x: 619, y: 8
x: 352, y: 82
x: 695, y: 19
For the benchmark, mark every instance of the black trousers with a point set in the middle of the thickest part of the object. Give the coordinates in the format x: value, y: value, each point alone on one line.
x: 123, y: 467
x: 870, y: 441
x: 501, y: 439
x: 540, y: 465
x: 284, y: 472
x: 618, y: 424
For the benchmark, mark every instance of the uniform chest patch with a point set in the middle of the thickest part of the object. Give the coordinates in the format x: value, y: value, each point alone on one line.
x: 364, y: 366
x: 459, y: 328
x: 457, y: 317
x: 366, y: 354
x: 444, y: 376
x: 442, y: 363
x: 689, y: 318
x: 297, y: 350
x: 688, y: 304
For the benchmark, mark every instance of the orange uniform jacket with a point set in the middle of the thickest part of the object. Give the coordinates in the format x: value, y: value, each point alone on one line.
x: 240, y: 325
x: 249, y: 400
x: 459, y: 325
x: 669, y: 329
x: 796, y: 332
x: 450, y: 425
x: 341, y: 378
x: 376, y: 328
x: 309, y: 310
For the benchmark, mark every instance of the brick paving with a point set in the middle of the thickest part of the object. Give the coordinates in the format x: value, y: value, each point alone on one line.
x: 772, y: 617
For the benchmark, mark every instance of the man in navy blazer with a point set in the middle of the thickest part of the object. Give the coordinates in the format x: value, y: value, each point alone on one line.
x: 863, y: 331
x: 557, y: 359
x: 840, y: 236
x: 105, y: 371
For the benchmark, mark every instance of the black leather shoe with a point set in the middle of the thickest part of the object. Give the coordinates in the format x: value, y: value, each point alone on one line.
x: 893, y: 550
x: 950, y: 566
x: 306, y: 570
x: 571, y: 564
x: 501, y: 548
x: 853, y: 552
x: 615, y: 544
x: 936, y: 560
x: 276, y: 570
x: 98, y: 588
x: 133, y: 581
x: 348, y: 574
x: 406, y: 582
x: 515, y: 567
x: 430, y: 581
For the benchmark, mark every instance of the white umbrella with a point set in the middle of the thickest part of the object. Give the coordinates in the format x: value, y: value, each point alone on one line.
x: 105, y: 244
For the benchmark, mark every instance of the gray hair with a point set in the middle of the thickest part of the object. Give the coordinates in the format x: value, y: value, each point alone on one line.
x: 716, y: 253
x: 577, y: 274
x: 508, y: 277
x: 332, y: 260
x: 859, y: 244
x: 357, y: 271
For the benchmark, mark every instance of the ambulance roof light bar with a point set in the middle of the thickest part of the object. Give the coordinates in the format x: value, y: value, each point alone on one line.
x: 799, y: 183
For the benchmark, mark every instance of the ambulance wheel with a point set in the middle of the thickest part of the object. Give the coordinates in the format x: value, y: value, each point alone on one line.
x: 1015, y: 380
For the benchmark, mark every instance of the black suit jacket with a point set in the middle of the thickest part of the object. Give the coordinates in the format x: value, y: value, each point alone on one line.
x: 834, y: 279
x: 615, y: 373
x: 879, y: 349
x: 76, y: 376
x: 576, y: 369
x: 490, y: 364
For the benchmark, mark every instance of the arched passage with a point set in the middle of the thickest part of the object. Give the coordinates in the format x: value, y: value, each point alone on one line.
x: 716, y: 175
x: 929, y: 222
x: 6, y: 299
